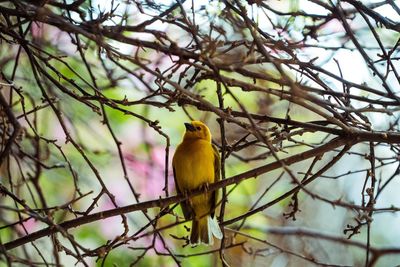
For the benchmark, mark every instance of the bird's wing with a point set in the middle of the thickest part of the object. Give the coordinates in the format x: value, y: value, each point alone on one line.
x: 217, y: 177
x: 187, y: 213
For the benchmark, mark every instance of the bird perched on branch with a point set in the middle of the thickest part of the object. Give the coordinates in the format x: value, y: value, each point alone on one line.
x: 196, y: 164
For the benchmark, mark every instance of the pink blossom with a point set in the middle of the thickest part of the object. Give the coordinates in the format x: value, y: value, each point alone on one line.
x: 29, y: 226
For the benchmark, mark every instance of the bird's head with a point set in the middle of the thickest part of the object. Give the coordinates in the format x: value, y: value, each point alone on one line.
x: 197, y: 130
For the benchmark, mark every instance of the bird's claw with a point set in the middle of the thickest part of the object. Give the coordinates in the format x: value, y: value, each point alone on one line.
x: 205, y: 187
x: 185, y: 193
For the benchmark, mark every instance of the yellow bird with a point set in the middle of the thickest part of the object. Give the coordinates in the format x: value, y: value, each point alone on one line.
x: 196, y: 164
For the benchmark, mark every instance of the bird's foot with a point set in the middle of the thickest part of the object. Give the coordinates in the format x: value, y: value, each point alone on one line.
x: 186, y: 193
x: 205, y: 187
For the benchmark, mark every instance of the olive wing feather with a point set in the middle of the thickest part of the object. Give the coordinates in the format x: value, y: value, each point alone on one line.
x: 187, y: 211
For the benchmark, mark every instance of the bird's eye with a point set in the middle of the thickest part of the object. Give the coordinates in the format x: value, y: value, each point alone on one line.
x: 198, y: 128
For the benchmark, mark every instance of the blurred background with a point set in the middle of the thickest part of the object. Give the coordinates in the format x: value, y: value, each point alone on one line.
x: 95, y: 94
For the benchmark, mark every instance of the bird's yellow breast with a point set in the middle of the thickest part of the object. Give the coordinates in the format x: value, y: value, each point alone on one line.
x: 194, y: 164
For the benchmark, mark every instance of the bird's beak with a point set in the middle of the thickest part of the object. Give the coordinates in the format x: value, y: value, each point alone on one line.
x: 189, y: 127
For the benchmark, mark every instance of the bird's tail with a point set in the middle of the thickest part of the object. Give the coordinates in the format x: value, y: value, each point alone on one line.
x: 204, y: 229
